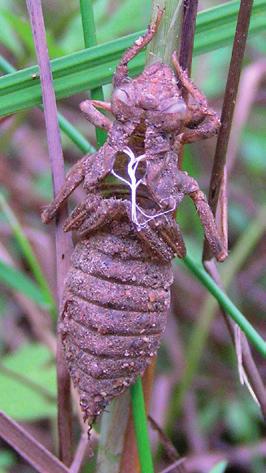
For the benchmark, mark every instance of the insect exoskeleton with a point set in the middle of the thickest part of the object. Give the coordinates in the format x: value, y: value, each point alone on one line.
x: 114, y: 311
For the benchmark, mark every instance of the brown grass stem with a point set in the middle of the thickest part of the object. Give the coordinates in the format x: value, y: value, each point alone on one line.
x: 218, y: 186
x: 63, y: 241
x: 218, y: 170
x: 190, y: 8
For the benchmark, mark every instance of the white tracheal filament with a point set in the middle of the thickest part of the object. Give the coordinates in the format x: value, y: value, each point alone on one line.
x: 133, y: 184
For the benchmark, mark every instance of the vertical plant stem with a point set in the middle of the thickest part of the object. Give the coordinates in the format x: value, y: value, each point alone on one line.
x: 89, y: 33
x: 63, y: 240
x: 130, y: 457
x: 190, y: 9
x: 112, y: 435
x: 141, y: 428
x: 167, y: 38
x: 113, y: 422
x: 218, y: 185
x: 238, y: 51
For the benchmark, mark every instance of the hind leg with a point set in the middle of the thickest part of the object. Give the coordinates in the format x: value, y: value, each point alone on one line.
x: 162, y: 236
x: 190, y: 187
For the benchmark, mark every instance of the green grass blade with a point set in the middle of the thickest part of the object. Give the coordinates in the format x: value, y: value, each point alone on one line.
x: 16, y: 280
x: 29, y: 255
x: 73, y: 134
x: 252, y: 335
x: 87, y: 69
x: 141, y: 428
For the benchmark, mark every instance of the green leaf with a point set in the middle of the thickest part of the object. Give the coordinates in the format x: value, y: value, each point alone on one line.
x: 21, y: 90
x: 14, y: 279
x: 220, y: 467
x: 20, y: 400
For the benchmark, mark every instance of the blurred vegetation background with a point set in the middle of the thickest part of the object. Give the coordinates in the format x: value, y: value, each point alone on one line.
x: 217, y: 420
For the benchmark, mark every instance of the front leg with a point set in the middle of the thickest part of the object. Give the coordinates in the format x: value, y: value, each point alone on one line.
x: 73, y: 178
x: 88, y: 107
x: 121, y: 73
x: 188, y: 84
x: 93, y: 168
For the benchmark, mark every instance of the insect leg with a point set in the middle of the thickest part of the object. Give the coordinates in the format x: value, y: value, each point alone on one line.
x: 208, y: 127
x: 201, y: 118
x: 122, y: 69
x: 191, y: 188
x: 74, y: 177
x: 94, y: 116
x: 188, y: 84
x: 163, y: 237
x: 169, y: 230
x: 95, y: 213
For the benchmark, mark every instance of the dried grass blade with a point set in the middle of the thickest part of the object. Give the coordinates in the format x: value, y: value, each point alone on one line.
x: 28, y: 447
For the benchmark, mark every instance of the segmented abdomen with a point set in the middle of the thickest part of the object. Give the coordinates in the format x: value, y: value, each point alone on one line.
x: 115, y: 304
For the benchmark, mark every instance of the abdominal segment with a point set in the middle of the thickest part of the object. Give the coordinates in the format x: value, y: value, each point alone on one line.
x: 114, y: 311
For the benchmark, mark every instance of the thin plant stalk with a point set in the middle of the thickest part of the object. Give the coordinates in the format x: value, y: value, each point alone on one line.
x: 63, y: 240
x: 238, y: 52
x: 141, y: 428
x: 218, y: 195
x: 252, y: 335
x: 190, y: 8
x: 112, y: 435
x: 163, y: 44
x: 130, y: 458
x: 112, y: 430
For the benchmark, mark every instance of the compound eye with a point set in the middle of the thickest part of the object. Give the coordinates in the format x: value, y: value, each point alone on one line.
x: 121, y: 95
x: 177, y: 107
